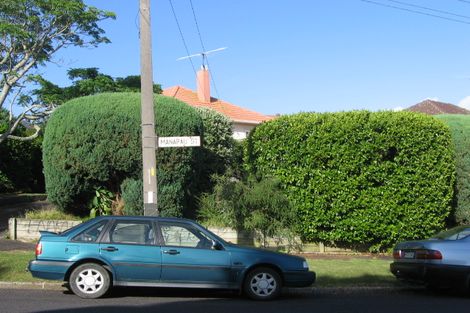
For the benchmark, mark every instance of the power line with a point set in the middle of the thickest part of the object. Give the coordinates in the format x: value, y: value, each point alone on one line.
x: 182, y: 37
x: 415, y: 11
x: 429, y: 9
x: 204, y: 49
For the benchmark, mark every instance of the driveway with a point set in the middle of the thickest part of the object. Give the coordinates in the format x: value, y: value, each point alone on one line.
x: 9, y: 209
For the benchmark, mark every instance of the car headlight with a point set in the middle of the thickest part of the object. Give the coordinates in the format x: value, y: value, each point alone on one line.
x: 305, y: 265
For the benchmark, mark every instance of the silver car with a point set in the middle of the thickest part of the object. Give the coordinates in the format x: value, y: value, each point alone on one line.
x: 438, y: 262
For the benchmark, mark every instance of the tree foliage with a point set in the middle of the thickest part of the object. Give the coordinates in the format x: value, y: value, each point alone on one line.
x: 94, y: 141
x: 20, y: 162
x: 85, y: 82
x: 360, y: 178
x: 460, y: 128
x: 31, y: 31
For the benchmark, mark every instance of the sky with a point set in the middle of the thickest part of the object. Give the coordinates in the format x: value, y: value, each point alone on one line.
x: 290, y: 56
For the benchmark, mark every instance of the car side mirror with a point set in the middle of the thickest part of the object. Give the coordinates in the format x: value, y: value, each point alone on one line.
x: 216, y: 245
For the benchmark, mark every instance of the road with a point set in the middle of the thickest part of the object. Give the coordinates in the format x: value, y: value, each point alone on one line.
x: 179, y: 301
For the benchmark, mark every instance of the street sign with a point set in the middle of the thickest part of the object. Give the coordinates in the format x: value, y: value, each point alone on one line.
x: 189, y: 141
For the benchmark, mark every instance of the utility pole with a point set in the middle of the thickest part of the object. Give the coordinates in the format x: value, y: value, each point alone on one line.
x: 149, y: 169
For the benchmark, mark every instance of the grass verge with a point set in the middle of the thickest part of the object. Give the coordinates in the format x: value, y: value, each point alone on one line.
x: 364, y: 272
x: 330, y: 272
x: 13, y: 266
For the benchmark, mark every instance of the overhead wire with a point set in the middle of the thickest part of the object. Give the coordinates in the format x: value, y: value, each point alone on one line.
x: 204, y: 50
x: 182, y: 36
x: 429, y: 9
x: 415, y: 11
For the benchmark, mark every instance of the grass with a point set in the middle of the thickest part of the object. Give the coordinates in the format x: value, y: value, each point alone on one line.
x: 330, y: 272
x: 371, y: 272
x: 13, y: 265
x: 50, y: 214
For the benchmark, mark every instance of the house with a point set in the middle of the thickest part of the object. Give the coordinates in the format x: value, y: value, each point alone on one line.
x: 243, y: 120
x: 433, y: 107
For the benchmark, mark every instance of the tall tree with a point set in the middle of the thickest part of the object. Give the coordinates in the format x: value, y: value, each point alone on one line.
x: 85, y: 81
x: 31, y: 31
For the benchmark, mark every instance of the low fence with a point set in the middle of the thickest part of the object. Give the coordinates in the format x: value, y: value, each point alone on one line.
x: 28, y: 230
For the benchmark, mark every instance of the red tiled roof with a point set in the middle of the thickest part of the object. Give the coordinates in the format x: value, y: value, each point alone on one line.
x: 233, y: 112
x: 432, y: 107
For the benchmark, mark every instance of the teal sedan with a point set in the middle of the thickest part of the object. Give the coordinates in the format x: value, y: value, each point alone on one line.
x: 161, y: 252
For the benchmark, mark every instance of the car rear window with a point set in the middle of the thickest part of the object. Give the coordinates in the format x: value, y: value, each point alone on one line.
x: 92, y: 233
x: 456, y: 233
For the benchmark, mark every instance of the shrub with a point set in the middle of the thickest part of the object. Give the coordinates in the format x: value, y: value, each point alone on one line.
x: 460, y: 128
x: 131, y: 191
x: 359, y: 178
x: 94, y: 142
x: 217, y: 145
x: 259, y: 206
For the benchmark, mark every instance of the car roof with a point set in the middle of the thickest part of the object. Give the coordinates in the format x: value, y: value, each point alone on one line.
x: 140, y: 217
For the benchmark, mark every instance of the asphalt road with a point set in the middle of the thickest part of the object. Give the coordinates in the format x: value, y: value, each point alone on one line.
x: 195, y: 301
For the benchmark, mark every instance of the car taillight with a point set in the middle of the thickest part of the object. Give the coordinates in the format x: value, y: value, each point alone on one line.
x: 420, y: 254
x: 428, y: 255
x: 38, y: 248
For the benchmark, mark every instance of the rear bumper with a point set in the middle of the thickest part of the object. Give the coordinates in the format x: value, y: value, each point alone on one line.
x: 299, y: 279
x: 51, y: 270
x: 430, y: 273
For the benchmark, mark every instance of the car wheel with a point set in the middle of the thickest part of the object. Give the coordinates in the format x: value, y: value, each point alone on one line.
x: 89, y: 281
x: 262, y: 284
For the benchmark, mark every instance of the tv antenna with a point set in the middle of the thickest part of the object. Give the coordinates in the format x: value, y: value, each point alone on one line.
x: 203, y: 54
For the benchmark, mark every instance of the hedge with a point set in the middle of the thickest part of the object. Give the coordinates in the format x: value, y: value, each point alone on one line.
x: 94, y: 141
x: 460, y: 128
x: 360, y: 179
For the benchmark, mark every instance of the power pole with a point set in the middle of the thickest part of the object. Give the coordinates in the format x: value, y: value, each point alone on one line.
x: 149, y: 169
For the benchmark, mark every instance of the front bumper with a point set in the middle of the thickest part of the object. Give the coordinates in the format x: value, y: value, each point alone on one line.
x: 52, y: 270
x: 299, y: 278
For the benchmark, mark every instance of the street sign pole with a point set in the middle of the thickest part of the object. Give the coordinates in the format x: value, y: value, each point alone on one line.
x: 149, y: 169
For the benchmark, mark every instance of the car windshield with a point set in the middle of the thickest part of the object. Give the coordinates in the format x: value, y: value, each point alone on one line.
x: 456, y: 233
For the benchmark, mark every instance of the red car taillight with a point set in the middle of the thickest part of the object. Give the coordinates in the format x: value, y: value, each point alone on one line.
x: 38, y: 248
x: 428, y: 255
x: 420, y: 254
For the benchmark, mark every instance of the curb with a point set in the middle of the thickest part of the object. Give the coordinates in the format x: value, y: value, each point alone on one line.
x: 31, y: 285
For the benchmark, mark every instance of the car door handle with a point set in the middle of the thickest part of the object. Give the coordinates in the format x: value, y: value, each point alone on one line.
x: 172, y: 252
x: 110, y: 249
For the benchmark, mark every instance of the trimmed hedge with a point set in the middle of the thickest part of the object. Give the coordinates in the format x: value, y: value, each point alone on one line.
x: 361, y: 179
x: 460, y: 128
x: 94, y: 141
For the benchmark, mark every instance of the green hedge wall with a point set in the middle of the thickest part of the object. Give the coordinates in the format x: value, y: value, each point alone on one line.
x: 94, y: 142
x: 460, y: 128
x: 359, y: 178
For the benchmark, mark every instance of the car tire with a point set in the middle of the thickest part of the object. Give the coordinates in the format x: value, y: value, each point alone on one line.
x: 262, y: 283
x: 89, y: 281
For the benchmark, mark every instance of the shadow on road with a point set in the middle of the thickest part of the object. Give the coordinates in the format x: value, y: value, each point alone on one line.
x: 200, y: 301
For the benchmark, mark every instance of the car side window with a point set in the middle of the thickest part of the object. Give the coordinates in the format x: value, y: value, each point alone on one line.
x: 91, y: 234
x: 132, y: 232
x: 181, y: 235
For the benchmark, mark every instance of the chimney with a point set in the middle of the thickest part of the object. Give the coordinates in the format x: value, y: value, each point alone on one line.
x: 203, y: 85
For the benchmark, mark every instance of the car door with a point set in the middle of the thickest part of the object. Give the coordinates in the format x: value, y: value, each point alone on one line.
x: 189, y: 258
x: 131, y: 250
